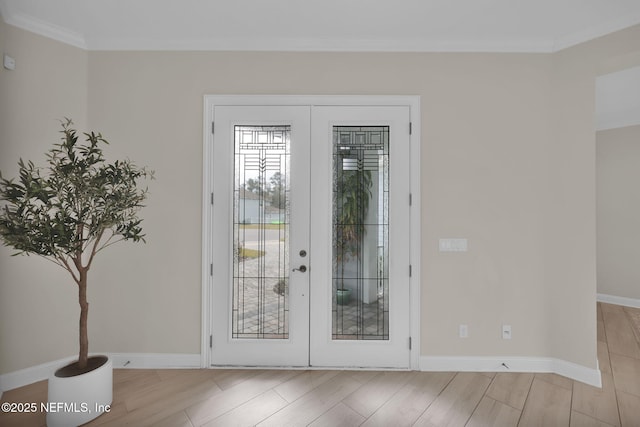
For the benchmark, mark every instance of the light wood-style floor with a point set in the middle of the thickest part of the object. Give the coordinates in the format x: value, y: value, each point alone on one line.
x: 188, y: 398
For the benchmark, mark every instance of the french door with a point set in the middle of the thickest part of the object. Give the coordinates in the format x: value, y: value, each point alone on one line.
x: 310, y: 236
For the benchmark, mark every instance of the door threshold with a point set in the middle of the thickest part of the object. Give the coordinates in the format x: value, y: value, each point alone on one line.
x: 311, y: 368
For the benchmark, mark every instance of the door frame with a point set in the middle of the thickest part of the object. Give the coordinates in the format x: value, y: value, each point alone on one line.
x: 211, y: 101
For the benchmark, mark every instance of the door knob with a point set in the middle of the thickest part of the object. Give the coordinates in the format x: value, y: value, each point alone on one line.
x: 301, y: 269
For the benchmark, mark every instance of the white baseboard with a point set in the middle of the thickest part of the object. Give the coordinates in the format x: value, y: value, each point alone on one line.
x: 120, y: 360
x: 427, y: 363
x: 31, y: 375
x: 612, y: 299
x: 155, y: 360
x: 512, y: 364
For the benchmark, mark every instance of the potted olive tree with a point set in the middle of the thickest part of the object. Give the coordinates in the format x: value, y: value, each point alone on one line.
x: 68, y: 212
x: 353, y: 191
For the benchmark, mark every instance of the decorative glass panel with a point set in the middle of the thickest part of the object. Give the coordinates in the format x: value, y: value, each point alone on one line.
x: 360, y: 309
x: 261, y: 232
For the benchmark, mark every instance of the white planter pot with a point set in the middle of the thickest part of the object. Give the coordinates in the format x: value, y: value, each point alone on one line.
x: 76, y: 400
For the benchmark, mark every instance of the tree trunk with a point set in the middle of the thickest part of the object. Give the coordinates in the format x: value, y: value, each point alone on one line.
x: 84, y: 311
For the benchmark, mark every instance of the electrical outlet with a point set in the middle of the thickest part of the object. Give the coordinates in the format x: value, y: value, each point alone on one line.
x: 463, y: 331
x: 506, y: 332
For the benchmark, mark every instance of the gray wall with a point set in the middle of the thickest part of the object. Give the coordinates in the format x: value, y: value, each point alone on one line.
x: 508, y: 155
x: 618, y: 195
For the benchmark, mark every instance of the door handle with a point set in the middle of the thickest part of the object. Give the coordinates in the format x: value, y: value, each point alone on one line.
x: 301, y: 269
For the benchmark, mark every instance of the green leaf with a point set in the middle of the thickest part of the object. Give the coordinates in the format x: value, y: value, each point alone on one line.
x: 61, y: 209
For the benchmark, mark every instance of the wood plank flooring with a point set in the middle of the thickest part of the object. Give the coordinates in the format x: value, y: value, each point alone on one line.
x: 241, y: 397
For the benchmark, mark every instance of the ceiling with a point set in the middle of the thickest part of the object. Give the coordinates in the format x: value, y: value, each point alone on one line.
x: 323, y: 25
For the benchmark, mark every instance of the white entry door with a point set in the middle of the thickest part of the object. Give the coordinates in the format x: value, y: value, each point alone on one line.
x: 310, y: 236
x: 260, y: 228
x: 360, y: 280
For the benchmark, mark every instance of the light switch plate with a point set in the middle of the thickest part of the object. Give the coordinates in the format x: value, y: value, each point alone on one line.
x: 8, y: 62
x: 453, y: 245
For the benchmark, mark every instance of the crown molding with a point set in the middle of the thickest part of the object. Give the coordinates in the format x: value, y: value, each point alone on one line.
x: 596, y: 31
x: 270, y: 44
x: 292, y: 44
x: 37, y: 26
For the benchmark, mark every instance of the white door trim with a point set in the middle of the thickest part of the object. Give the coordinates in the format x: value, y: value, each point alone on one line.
x: 210, y: 101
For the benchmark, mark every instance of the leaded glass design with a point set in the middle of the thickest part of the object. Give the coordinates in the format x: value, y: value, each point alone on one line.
x: 261, y: 232
x: 360, y: 309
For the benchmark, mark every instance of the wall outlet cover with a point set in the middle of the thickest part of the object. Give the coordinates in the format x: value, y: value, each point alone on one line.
x: 506, y: 332
x: 463, y: 331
